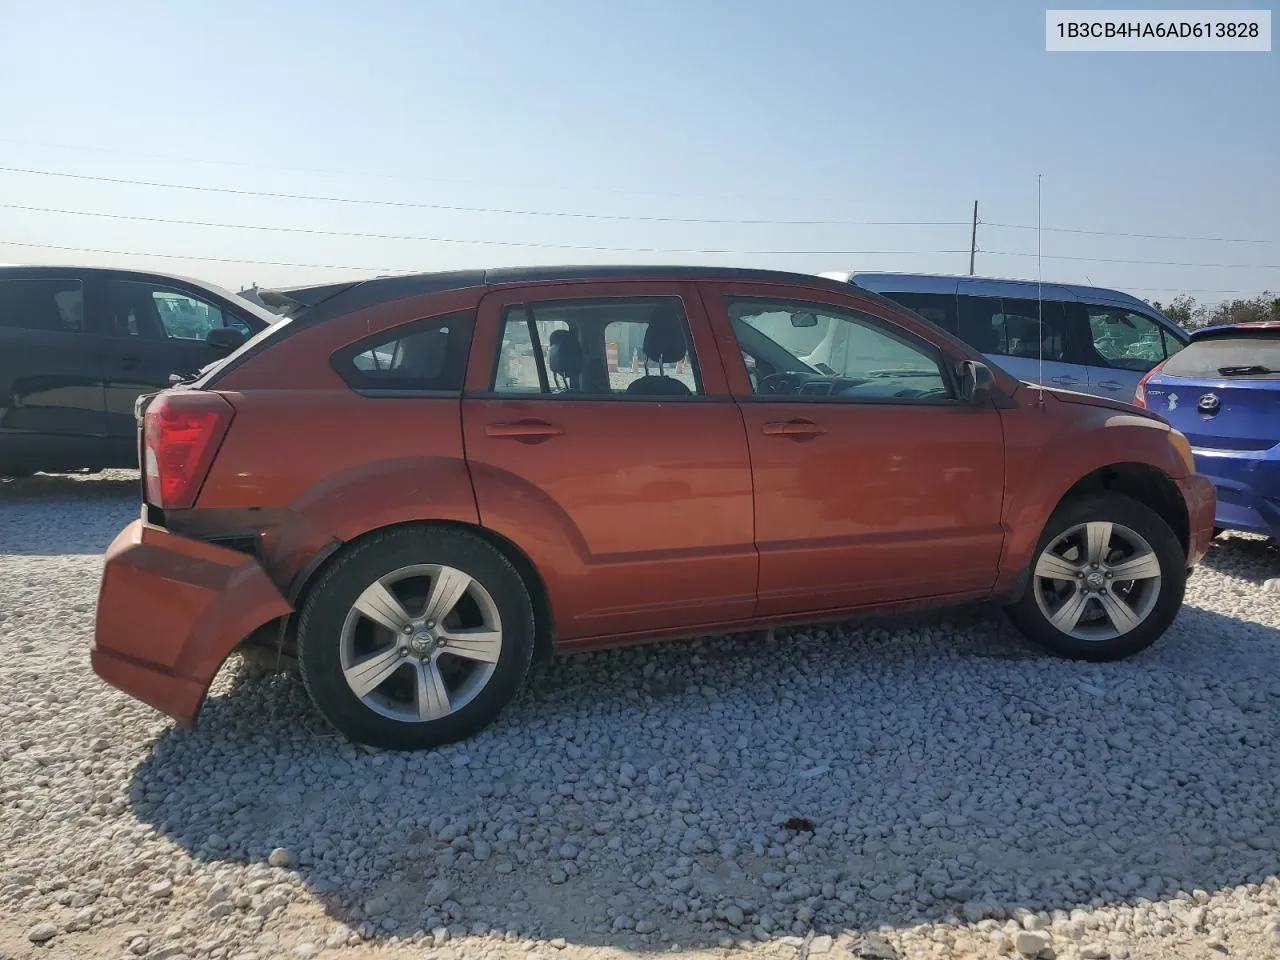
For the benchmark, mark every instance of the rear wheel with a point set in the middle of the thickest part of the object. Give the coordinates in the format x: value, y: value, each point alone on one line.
x: 1107, y: 580
x: 416, y: 637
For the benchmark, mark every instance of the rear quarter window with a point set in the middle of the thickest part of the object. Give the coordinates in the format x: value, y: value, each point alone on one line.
x: 425, y: 356
x: 1234, y: 357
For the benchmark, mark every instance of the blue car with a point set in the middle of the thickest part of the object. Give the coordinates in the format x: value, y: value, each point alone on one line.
x: 1223, y: 392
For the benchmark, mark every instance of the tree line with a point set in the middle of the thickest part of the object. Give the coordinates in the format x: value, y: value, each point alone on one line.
x: 1188, y: 312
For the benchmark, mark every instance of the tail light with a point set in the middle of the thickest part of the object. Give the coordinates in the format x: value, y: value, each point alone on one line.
x: 181, y: 433
x: 1140, y: 395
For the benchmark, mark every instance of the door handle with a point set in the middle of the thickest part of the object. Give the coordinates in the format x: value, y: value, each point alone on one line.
x: 1111, y: 384
x: 798, y: 429
x: 1064, y: 381
x: 128, y: 362
x: 525, y: 431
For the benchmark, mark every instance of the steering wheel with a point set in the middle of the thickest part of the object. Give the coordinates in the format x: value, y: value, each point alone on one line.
x: 787, y: 382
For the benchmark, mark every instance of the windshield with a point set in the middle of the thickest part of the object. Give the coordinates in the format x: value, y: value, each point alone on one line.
x: 1231, y: 357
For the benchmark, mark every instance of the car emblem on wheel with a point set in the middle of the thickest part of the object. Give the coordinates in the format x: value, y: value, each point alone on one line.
x: 1209, y: 403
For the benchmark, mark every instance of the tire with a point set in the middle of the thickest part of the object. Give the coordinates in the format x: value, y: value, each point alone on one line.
x: 335, y: 640
x: 1153, y: 602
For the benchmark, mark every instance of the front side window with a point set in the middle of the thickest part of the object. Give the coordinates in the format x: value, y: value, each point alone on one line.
x: 52, y: 305
x: 426, y: 356
x: 812, y: 351
x: 1124, y: 339
x: 144, y: 310
x: 617, y: 347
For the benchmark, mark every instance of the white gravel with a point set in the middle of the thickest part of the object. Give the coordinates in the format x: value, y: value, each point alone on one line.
x: 967, y: 796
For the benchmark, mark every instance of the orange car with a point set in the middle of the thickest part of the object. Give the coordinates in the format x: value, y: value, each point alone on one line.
x: 415, y: 485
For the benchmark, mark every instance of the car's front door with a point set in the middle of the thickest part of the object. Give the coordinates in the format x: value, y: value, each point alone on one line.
x: 153, y: 330
x: 601, y: 439
x: 873, y: 481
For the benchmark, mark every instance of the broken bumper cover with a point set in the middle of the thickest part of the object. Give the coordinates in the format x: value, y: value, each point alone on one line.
x: 170, y: 611
x: 1201, y: 499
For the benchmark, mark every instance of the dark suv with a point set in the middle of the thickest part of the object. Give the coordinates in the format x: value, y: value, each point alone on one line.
x: 78, y: 345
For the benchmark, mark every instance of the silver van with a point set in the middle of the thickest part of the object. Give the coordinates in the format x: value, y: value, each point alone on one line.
x: 1095, y: 340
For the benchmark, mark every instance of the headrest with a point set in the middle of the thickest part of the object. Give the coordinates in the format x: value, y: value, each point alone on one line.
x: 664, y: 340
x: 423, y: 354
x: 565, y: 354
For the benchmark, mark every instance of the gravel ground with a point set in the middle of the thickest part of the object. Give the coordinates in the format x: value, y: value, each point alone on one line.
x: 924, y: 787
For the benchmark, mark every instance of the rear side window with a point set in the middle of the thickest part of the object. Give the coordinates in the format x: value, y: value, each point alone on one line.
x: 938, y: 308
x: 53, y: 305
x: 426, y: 356
x: 632, y: 347
x: 1009, y: 327
x: 1240, y: 357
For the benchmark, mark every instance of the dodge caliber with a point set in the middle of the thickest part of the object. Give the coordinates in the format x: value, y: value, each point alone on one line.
x: 413, y: 486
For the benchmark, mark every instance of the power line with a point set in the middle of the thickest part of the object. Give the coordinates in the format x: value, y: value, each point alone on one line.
x: 530, y: 186
x: 597, y: 248
x: 389, y: 176
x: 1113, y: 233
x: 331, y: 266
x: 181, y: 256
x: 456, y: 240
x: 1151, y: 263
x: 402, y: 270
x: 454, y: 208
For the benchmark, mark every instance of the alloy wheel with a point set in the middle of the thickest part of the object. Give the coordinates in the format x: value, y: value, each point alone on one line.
x: 421, y: 642
x: 1097, y: 581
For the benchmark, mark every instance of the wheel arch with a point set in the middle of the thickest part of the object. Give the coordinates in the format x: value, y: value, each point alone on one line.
x: 1139, y: 481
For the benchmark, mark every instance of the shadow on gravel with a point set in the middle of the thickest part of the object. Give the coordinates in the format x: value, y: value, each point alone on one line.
x: 1252, y: 558
x: 45, y: 514
x: 943, y: 767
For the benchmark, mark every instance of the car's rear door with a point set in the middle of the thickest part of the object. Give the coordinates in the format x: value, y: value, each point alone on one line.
x: 873, y: 482
x: 1032, y: 338
x: 51, y: 374
x: 601, y: 439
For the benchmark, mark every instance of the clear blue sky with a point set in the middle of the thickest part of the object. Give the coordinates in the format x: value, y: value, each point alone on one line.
x: 710, y: 109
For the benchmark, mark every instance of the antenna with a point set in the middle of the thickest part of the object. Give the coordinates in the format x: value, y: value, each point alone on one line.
x: 1039, y: 293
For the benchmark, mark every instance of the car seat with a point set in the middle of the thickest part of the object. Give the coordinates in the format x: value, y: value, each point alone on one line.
x: 564, y: 357
x: 664, y: 342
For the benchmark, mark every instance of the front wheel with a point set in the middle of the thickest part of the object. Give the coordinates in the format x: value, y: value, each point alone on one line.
x: 1108, y: 578
x: 415, y: 637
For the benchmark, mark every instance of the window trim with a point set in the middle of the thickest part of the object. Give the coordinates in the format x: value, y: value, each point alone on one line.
x: 342, y: 359
x: 944, y: 360
x: 531, y: 306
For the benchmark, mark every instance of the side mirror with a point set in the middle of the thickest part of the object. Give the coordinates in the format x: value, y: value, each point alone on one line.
x: 804, y: 320
x: 977, y: 383
x: 225, y: 338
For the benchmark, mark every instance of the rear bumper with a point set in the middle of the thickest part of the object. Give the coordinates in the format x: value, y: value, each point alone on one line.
x: 1198, y: 494
x: 170, y: 610
x: 1242, y: 481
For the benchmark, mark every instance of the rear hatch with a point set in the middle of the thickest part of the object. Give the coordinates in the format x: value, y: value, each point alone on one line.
x: 1223, y: 389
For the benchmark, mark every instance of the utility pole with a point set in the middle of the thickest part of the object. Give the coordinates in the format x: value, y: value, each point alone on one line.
x: 973, y: 238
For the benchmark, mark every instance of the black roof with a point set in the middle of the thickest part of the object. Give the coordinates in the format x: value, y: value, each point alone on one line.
x: 344, y: 297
